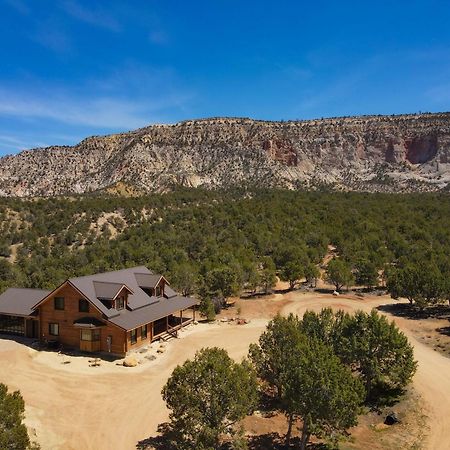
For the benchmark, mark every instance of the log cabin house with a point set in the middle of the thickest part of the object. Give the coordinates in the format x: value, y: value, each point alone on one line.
x: 114, y: 312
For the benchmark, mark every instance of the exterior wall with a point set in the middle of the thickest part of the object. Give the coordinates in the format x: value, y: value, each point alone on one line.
x: 140, y: 342
x: 69, y: 335
x: 123, y: 293
x: 162, y: 285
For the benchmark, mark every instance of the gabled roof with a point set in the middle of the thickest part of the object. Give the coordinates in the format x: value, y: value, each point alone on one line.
x: 107, y: 290
x: 141, y: 308
x: 20, y: 302
x: 147, y: 280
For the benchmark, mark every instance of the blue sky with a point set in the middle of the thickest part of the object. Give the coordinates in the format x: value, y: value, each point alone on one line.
x: 73, y: 68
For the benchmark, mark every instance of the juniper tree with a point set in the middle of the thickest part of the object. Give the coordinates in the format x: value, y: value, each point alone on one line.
x: 207, y: 396
x: 13, y: 433
x: 339, y: 274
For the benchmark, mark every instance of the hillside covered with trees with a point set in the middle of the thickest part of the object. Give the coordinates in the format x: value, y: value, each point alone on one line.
x: 219, y: 243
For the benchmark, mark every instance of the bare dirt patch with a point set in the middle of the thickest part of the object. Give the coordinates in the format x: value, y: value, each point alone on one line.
x: 73, y: 406
x: 431, y: 326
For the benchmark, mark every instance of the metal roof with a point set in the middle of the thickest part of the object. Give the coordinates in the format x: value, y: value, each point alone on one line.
x: 106, y: 290
x: 141, y: 308
x: 20, y: 301
x: 164, y: 307
x: 147, y: 280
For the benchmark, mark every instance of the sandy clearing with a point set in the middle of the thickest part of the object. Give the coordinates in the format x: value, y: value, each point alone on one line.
x: 76, y: 407
x: 71, y: 409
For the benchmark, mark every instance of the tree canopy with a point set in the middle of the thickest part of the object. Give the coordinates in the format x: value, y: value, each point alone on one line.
x: 207, y: 396
x: 13, y: 433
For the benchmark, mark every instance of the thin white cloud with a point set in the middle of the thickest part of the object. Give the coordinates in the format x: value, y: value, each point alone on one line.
x: 102, y: 112
x: 96, y: 17
x: 14, y: 144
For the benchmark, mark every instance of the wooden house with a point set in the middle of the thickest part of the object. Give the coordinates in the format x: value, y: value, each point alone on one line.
x: 114, y: 312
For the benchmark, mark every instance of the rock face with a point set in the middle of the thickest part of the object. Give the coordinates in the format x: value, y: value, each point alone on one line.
x: 370, y: 153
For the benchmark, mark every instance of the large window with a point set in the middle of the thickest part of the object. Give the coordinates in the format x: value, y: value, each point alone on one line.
x: 83, y: 305
x: 12, y: 325
x: 59, y: 303
x: 133, y: 336
x: 90, y: 335
x: 53, y: 329
x: 144, y: 332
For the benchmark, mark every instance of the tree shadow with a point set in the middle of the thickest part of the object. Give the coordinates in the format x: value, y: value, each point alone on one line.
x: 383, y: 396
x: 265, y: 441
x: 166, y: 440
x: 412, y: 312
x: 444, y: 330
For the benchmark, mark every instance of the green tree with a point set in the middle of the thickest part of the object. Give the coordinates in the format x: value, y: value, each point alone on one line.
x: 207, y: 309
x: 271, y: 355
x: 207, y: 396
x: 321, y: 391
x: 184, y: 278
x: 290, y: 262
x: 221, y: 281
x: 268, y: 277
x: 13, y: 433
x: 422, y: 284
x: 379, y: 351
x: 368, y: 343
x: 339, y: 273
x: 296, y: 370
x: 366, y: 273
x: 292, y: 272
x: 312, y: 274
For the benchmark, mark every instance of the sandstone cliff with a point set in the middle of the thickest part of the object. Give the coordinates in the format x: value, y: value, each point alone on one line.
x: 372, y: 153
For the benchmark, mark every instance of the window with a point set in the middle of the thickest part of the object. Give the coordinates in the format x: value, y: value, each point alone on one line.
x: 158, y: 291
x: 59, y: 303
x: 90, y: 335
x: 53, y: 329
x: 83, y: 305
x: 120, y: 302
x: 133, y: 336
x: 144, y: 332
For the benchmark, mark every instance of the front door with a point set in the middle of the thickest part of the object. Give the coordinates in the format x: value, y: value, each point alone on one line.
x: 35, y: 329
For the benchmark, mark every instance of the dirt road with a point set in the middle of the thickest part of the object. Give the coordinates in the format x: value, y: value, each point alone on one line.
x: 73, y: 409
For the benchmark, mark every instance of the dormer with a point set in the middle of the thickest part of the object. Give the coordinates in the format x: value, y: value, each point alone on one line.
x: 112, y: 295
x: 153, y: 285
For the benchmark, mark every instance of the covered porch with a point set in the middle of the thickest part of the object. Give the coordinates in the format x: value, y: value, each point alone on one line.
x: 172, y: 323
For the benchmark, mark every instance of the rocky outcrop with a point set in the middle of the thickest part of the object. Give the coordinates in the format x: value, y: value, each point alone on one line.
x: 371, y: 153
